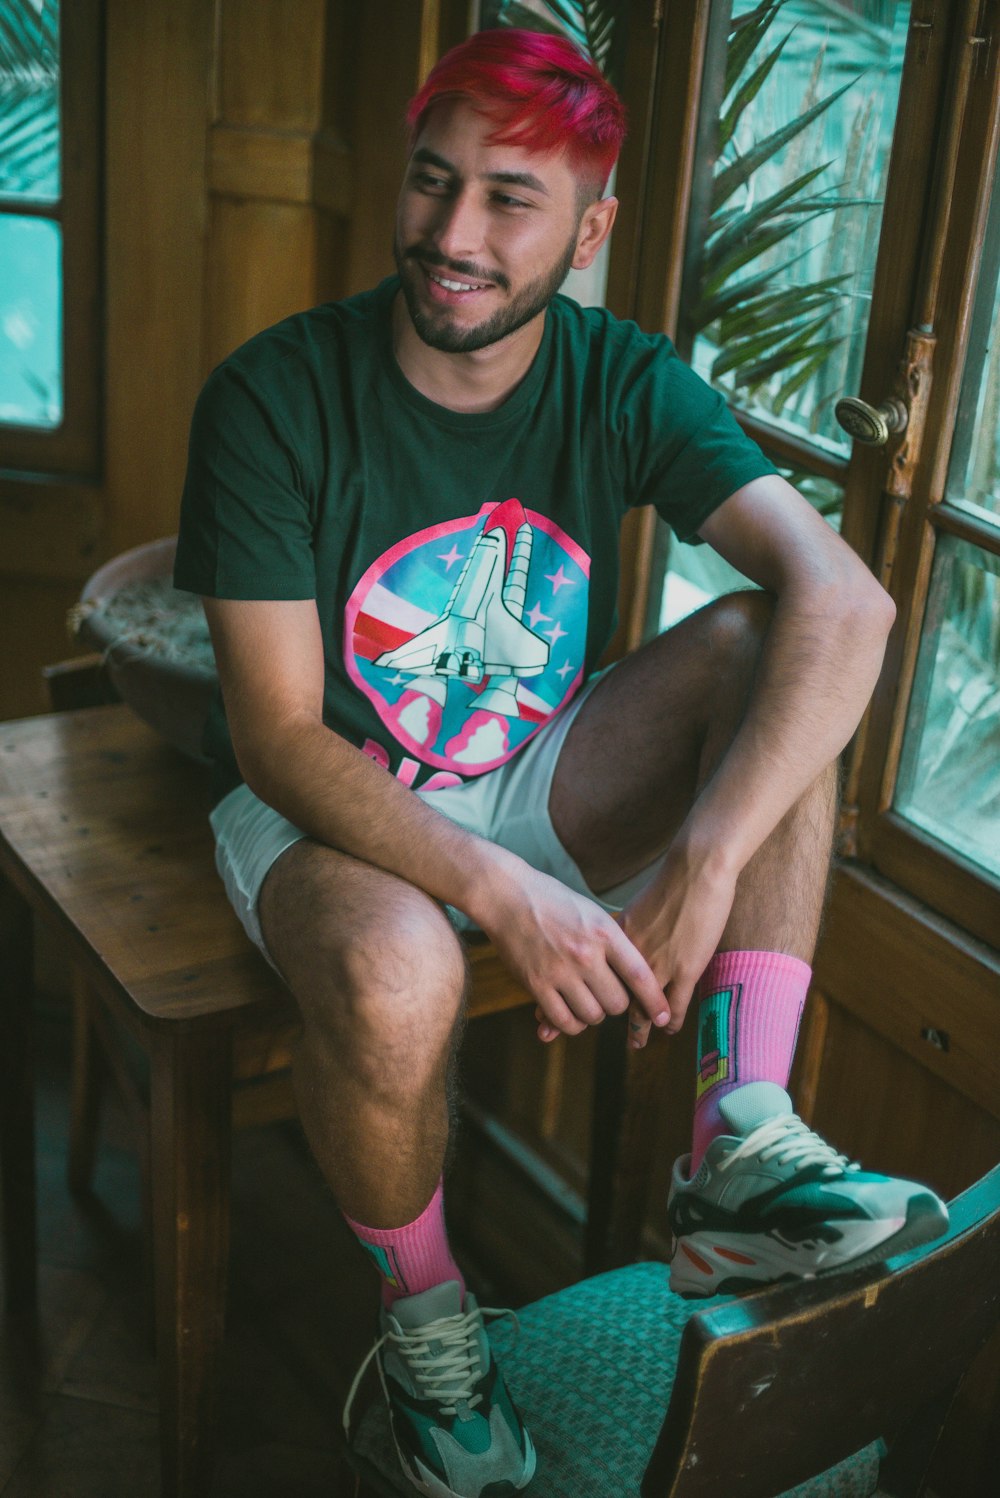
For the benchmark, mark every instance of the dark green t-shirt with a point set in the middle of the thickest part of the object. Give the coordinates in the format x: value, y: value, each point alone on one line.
x: 465, y: 567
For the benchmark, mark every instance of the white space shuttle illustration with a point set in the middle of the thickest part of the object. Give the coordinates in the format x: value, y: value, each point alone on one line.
x: 480, y: 632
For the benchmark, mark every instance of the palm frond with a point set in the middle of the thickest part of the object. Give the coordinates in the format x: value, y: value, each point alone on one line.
x: 744, y: 39
x: 590, y: 24
x: 740, y: 223
x: 749, y: 91
x: 29, y: 40
x: 739, y: 173
x: 29, y: 99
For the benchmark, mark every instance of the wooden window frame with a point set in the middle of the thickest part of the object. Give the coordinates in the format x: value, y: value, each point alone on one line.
x: 912, y: 859
x: 73, y: 449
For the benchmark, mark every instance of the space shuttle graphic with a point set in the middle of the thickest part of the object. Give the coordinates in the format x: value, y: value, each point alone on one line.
x: 480, y: 634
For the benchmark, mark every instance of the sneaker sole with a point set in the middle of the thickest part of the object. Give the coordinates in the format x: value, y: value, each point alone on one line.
x: 696, y: 1274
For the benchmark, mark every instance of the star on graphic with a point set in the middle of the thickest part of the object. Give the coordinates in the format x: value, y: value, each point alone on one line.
x: 564, y: 670
x: 449, y: 558
x: 535, y: 616
x: 556, y: 633
x: 397, y: 680
x: 559, y: 579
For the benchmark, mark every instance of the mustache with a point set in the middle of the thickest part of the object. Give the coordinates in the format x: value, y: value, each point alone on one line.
x: 460, y: 267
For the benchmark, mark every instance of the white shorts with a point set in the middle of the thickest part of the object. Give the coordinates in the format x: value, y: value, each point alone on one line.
x: 509, y: 806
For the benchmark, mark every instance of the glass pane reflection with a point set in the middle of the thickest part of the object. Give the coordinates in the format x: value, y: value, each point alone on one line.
x: 974, y: 476
x: 788, y: 247
x: 949, y: 780
x: 31, y: 378
x: 29, y: 100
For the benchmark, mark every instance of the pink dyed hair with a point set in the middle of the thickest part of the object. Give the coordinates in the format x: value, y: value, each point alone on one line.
x: 545, y: 94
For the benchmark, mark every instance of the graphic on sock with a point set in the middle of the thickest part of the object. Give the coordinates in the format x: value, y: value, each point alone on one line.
x: 749, y: 1006
x: 387, y: 1267
x: 414, y: 1257
x: 717, y: 1056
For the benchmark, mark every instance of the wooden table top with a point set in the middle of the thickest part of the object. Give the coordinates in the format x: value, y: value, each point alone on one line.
x: 104, y: 828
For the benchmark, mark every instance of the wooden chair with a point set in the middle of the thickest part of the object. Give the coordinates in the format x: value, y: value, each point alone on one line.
x: 104, y: 838
x: 837, y: 1386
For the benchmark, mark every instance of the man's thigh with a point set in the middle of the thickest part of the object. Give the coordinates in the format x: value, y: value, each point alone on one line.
x: 304, y: 904
x: 328, y: 919
x: 629, y: 768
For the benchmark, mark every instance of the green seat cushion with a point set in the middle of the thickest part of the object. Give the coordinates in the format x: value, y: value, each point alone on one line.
x: 591, y: 1372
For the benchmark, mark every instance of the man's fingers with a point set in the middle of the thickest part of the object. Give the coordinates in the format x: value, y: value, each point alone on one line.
x: 638, y: 977
x: 680, y: 998
x: 638, y: 1027
x: 556, y: 1017
x: 581, y: 1002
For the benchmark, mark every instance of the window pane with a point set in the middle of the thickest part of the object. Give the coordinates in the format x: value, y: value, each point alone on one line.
x: 949, y: 780
x: 974, y: 475
x: 29, y: 100
x: 779, y: 312
x: 31, y: 381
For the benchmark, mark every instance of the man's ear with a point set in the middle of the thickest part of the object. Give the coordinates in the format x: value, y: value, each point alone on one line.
x: 595, y: 226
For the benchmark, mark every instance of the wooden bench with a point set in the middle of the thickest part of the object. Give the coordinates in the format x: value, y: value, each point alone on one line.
x: 104, y: 838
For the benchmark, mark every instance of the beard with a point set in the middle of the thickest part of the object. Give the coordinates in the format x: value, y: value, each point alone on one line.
x: 436, y: 328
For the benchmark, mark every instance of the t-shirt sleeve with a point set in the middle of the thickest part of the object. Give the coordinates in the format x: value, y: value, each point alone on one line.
x: 684, y: 450
x: 245, y: 525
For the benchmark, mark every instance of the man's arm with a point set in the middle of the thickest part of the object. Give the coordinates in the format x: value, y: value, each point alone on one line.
x: 573, y: 958
x: 819, y: 665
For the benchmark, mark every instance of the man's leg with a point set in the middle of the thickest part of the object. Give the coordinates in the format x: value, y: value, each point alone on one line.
x: 379, y: 976
x: 643, y: 744
x: 646, y: 740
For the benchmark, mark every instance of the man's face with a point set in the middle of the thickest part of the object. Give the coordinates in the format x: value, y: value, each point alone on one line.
x: 485, y: 234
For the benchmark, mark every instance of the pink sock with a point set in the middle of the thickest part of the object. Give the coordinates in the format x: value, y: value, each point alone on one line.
x: 749, y: 1007
x: 411, y: 1258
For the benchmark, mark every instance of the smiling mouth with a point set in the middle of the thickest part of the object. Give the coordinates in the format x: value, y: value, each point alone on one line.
x: 450, y: 285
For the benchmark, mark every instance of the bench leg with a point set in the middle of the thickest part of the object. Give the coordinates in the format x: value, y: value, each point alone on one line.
x: 86, y: 1091
x: 191, y: 1127
x: 17, y: 1103
x: 627, y: 1089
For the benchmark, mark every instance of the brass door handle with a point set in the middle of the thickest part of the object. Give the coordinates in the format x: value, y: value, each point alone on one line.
x: 872, y: 425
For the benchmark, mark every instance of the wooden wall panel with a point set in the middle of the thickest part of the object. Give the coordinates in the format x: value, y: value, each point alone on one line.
x: 380, y: 138
x: 158, y: 65
x: 894, y: 1115
x: 271, y: 62
x: 262, y: 267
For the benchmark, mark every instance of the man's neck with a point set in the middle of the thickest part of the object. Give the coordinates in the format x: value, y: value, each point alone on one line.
x: 470, y: 383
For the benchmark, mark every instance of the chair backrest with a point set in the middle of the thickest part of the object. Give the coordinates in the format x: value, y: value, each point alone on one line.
x: 776, y: 1387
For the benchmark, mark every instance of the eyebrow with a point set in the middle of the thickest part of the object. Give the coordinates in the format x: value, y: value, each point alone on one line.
x: 509, y: 179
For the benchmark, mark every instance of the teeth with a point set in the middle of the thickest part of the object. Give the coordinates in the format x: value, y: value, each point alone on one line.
x: 453, y: 285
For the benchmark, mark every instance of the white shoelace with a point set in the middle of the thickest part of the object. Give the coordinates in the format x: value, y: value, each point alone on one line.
x: 788, y: 1141
x: 442, y: 1357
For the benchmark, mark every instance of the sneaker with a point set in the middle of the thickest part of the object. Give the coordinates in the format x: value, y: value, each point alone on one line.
x: 457, y: 1432
x: 773, y: 1201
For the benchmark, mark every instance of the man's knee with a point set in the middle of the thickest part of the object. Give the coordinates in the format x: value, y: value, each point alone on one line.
x: 407, y: 967
x: 391, y: 975
x: 736, y: 625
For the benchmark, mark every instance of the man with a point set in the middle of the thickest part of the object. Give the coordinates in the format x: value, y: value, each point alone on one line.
x: 402, y: 511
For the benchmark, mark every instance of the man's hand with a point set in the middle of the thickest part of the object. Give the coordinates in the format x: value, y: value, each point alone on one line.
x: 676, y: 921
x: 573, y: 957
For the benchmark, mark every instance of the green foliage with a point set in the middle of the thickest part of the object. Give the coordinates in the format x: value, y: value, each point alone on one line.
x: 590, y: 24
x: 29, y: 98
x: 776, y: 334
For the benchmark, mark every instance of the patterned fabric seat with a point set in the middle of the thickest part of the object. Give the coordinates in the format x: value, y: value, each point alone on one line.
x: 591, y: 1371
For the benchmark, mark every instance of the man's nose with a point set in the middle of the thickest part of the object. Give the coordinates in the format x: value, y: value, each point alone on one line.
x: 460, y: 227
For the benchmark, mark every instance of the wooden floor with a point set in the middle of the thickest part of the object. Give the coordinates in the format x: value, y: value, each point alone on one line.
x: 77, y: 1401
